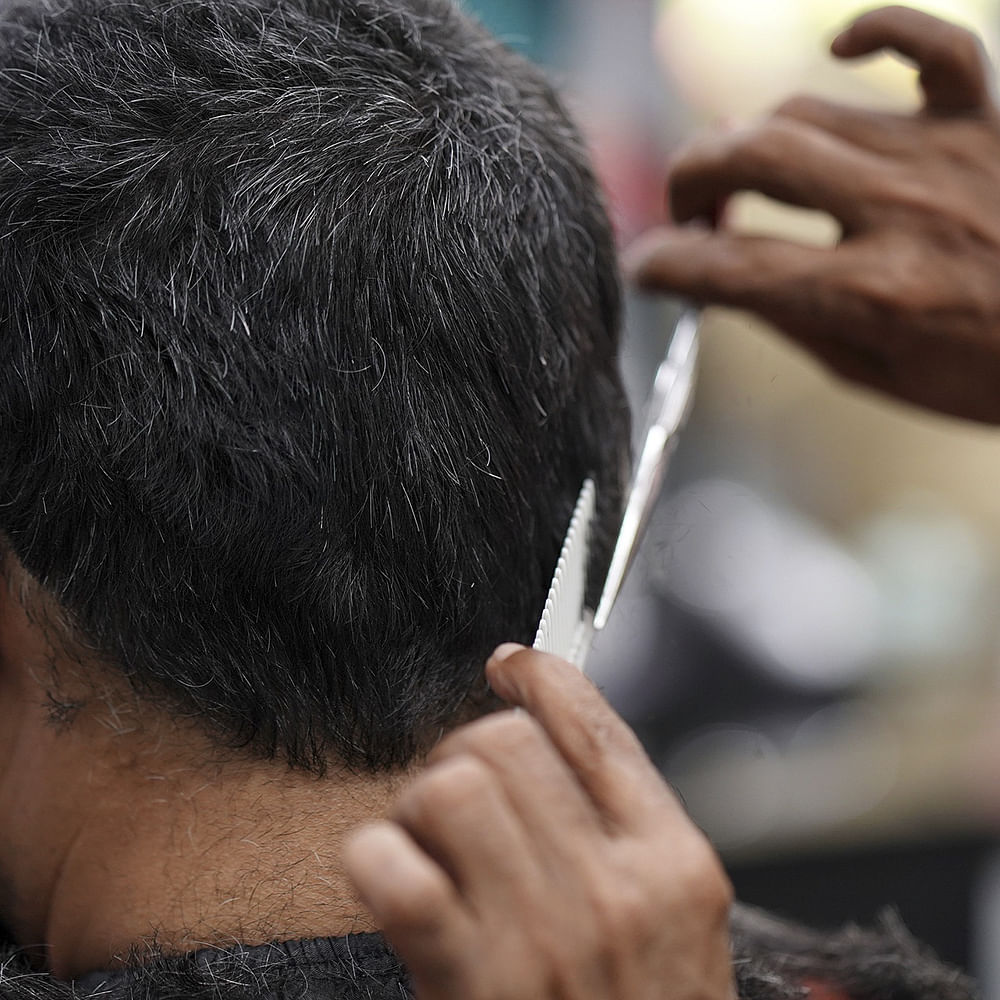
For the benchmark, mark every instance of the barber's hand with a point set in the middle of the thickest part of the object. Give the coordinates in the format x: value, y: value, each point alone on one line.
x: 541, y: 855
x: 909, y: 301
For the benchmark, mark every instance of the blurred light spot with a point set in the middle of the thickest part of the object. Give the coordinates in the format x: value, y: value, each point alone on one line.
x: 845, y: 760
x: 733, y: 57
x: 741, y: 788
x: 788, y: 595
x: 934, y: 569
x: 731, y: 780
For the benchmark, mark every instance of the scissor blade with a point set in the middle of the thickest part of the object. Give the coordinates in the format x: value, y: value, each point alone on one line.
x: 671, y: 399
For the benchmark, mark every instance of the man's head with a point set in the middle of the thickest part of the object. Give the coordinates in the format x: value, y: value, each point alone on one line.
x: 307, y: 342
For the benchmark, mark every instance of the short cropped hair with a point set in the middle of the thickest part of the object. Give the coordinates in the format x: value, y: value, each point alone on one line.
x: 308, y: 327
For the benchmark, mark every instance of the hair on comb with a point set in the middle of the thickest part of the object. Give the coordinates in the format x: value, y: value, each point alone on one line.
x: 567, y: 624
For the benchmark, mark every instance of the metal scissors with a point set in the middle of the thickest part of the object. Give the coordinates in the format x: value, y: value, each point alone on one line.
x: 567, y: 626
x: 669, y: 405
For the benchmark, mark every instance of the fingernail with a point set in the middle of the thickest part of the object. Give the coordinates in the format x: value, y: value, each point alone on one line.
x: 505, y: 651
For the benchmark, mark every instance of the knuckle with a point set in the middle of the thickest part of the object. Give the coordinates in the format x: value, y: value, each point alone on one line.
x: 888, y: 20
x: 520, y: 964
x: 967, y: 143
x: 706, y: 152
x: 624, y: 915
x: 508, y: 731
x: 622, y: 893
x: 696, y: 149
x: 900, y: 283
x: 768, y: 146
x: 454, y: 743
x: 801, y: 107
x: 441, y: 789
x: 627, y: 911
x: 902, y: 190
x: 705, y: 881
x: 602, y: 743
x: 964, y: 48
x: 420, y: 906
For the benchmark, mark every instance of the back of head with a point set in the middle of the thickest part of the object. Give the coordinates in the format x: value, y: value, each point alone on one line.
x: 309, y: 324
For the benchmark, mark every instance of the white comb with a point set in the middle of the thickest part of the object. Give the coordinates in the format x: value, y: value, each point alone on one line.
x: 567, y: 627
x: 567, y: 624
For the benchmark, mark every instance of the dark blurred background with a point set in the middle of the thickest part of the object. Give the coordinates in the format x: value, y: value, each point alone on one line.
x: 808, y: 644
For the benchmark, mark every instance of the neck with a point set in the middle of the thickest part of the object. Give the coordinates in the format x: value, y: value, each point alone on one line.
x: 143, y: 851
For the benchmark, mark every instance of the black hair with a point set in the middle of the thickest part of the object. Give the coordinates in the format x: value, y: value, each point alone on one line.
x: 308, y: 329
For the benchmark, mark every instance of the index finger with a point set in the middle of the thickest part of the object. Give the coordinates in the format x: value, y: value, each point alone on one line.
x: 600, y: 749
x: 955, y: 72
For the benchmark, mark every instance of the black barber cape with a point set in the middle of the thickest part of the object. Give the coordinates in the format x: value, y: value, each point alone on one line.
x: 773, y: 960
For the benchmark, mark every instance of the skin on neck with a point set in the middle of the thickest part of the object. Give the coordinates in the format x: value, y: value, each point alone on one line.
x: 121, y: 829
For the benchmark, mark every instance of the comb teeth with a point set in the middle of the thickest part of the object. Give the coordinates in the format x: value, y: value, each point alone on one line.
x: 565, y: 627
